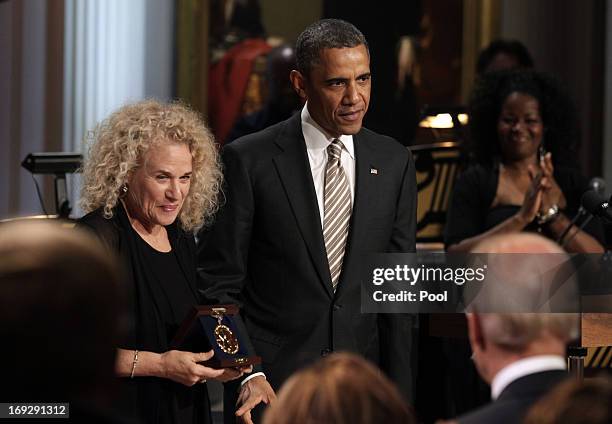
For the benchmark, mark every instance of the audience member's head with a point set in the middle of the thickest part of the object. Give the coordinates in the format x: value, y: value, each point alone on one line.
x: 280, y: 62
x: 530, y: 274
x: 554, y: 118
x: 517, y: 243
x: 503, y: 54
x: 246, y: 19
x: 499, y: 339
x: 341, y: 388
x: 60, y: 308
x: 575, y: 402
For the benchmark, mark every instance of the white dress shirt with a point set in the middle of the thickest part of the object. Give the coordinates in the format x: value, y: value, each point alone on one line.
x: 317, y: 141
x: 523, y: 367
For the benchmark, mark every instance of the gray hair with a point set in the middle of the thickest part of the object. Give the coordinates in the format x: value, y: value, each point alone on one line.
x: 516, y: 331
x: 325, y: 34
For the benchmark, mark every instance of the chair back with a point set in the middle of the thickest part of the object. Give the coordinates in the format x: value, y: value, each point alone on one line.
x: 437, y: 166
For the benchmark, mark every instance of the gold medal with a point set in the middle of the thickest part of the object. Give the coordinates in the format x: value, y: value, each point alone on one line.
x: 224, y: 336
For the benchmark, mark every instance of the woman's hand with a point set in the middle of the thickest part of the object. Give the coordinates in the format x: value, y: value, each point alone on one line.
x: 551, y: 194
x: 183, y: 367
x: 532, y: 202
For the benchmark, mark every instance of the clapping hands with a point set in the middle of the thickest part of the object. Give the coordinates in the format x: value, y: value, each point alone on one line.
x: 552, y: 194
x: 544, y: 192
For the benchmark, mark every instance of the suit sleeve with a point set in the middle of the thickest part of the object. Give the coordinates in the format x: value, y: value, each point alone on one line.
x: 398, y: 331
x: 223, y: 247
x: 403, y: 238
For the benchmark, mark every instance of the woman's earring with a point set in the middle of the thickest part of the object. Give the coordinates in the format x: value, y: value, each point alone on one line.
x: 124, y: 189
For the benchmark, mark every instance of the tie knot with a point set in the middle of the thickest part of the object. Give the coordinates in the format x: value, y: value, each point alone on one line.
x: 334, y: 149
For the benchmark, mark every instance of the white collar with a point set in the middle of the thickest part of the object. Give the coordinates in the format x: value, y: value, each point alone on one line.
x: 317, y: 138
x: 523, y: 367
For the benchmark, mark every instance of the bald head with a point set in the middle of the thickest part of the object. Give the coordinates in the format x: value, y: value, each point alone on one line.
x: 517, y: 243
x: 28, y: 246
x: 525, y: 271
x: 528, y: 280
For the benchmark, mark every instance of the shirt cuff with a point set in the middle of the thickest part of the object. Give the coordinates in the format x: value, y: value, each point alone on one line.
x: 257, y: 374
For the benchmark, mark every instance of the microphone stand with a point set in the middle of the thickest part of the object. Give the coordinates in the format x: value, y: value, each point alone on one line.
x: 580, y: 227
x: 581, y: 212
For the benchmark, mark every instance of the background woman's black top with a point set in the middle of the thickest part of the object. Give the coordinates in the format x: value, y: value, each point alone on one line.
x: 162, y: 287
x: 470, y: 212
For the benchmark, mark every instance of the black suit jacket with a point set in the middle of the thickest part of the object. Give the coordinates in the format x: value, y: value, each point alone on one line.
x: 516, y: 399
x: 266, y: 251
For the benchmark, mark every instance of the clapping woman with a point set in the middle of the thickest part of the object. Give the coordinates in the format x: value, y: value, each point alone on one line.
x: 524, y: 177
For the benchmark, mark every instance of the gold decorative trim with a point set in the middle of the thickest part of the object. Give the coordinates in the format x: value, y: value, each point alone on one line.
x: 481, y: 25
x: 192, y: 39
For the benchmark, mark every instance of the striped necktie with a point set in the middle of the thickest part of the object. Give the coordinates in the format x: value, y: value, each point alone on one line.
x: 337, y: 211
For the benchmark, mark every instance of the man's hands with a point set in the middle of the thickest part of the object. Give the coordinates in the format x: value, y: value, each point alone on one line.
x: 183, y: 368
x: 252, y: 393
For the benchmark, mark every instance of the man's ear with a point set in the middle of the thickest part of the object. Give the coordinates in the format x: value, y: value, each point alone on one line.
x: 299, y: 84
x: 477, y: 339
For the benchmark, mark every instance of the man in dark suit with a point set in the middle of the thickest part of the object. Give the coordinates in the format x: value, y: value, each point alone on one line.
x: 522, y: 356
x: 306, y: 199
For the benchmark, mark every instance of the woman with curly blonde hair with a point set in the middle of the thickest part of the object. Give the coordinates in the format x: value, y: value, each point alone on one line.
x: 152, y: 178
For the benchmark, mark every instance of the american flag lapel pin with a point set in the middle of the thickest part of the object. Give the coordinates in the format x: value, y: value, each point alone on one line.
x: 373, y: 171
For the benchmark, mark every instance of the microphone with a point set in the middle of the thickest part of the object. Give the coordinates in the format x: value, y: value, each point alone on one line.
x: 598, y: 185
x: 596, y: 205
x: 589, y: 203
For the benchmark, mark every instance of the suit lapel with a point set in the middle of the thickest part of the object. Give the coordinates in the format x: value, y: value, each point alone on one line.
x: 294, y: 171
x: 364, y: 153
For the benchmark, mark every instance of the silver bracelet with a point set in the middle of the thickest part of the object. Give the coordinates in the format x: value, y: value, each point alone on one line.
x: 549, y: 215
x: 134, y: 362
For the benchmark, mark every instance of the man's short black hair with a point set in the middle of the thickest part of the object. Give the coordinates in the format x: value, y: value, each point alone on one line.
x: 325, y: 34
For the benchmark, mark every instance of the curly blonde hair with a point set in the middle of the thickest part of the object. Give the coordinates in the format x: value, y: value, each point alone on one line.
x: 120, y: 142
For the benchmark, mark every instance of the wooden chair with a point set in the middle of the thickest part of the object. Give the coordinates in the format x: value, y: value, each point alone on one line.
x: 437, y: 166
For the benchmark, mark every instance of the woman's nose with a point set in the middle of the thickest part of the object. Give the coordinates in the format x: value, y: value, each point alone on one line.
x: 173, y: 191
x: 517, y: 126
